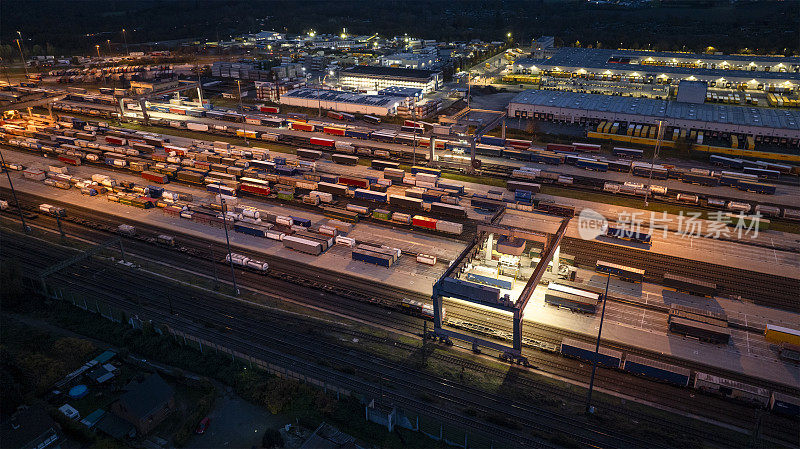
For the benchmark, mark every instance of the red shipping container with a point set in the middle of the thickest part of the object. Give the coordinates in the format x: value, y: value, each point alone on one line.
x: 333, y: 131
x: 115, y: 140
x: 586, y: 147
x: 71, y: 160
x: 155, y: 177
x: 177, y: 111
x: 357, y: 182
x: 522, y: 144
x: 302, y: 126
x: 269, y: 109
x: 424, y: 222
x: 559, y: 147
x: 322, y: 142
x: 255, y: 189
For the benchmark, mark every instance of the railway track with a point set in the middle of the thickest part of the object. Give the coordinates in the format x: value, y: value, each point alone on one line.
x: 235, y: 317
x: 578, y: 372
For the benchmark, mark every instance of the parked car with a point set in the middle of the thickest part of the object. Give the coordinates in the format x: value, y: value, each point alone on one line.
x: 201, y: 428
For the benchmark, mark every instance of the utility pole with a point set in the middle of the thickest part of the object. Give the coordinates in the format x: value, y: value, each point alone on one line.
x: 653, y: 161
x: 228, y: 241
x: 14, y: 194
x: 21, y: 56
x: 589, y: 408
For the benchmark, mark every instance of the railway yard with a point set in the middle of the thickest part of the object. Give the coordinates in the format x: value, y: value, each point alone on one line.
x: 358, y: 237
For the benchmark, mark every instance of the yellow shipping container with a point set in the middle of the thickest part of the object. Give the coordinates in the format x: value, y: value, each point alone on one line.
x: 653, y: 132
x: 631, y: 128
x: 734, y: 141
x: 751, y: 142
x: 778, y: 334
x: 601, y: 126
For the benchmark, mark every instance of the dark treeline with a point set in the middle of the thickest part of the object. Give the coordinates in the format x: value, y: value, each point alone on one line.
x: 75, y: 27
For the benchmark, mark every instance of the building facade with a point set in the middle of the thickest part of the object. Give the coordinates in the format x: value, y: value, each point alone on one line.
x: 373, y: 78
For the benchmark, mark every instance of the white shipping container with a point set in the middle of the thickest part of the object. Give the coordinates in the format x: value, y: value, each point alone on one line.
x: 449, y: 227
x: 346, y: 241
x: 34, y: 174
x: 328, y: 230
x: 427, y: 185
x: 410, y: 180
x: 286, y: 221
x: 427, y: 177
x: 58, y: 169
x: 426, y: 259
x: 325, y: 197
x: 275, y: 235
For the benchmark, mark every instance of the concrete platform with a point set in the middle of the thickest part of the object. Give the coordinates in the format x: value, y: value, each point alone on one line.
x: 747, y: 353
x: 407, y: 272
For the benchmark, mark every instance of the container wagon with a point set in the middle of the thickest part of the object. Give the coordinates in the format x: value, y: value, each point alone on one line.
x: 784, y: 404
x: 344, y: 159
x: 628, y: 234
x: 571, y: 298
x: 586, y: 351
x: 654, y: 369
x: 621, y: 271
x: 689, y: 285
x: 303, y: 245
x: 731, y: 389
x: 700, y: 330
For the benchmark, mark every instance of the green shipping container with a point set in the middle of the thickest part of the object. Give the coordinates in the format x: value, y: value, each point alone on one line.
x: 286, y: 196
x: 381, y: 214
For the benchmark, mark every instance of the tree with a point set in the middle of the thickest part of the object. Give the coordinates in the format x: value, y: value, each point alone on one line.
x: 272, y: 438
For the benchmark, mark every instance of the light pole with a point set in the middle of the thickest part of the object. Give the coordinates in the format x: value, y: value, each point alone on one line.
x: 21, y: 56
x: 653, y: 161
x: 597, y: 350
x: 228, y: 241
x: 319, y: 97
x: 97, y: 47
x: 14, y: 194
x: 108, y: 43
x: 241, y: 109
x: 125, y: 38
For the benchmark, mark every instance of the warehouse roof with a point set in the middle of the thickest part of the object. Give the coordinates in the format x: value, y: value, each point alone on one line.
x: 342, y: 96
x: 389, y: 72
x: 717, y: 113
x: 589, y: 58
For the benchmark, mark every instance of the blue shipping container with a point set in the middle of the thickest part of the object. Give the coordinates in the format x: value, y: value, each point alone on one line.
x: 480, y: 279
x: 304, y: 222
x: 373, y: 258
x: 250, y: 230
x: 602, y: 359
x: 656, y: 373
x: 491, y: 140
x: 468, y: 290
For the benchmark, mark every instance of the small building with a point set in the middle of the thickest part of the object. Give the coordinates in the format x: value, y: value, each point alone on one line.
x: 30, y: 428
x: 69, y: 411
x: 692, y: 91
x: 374, y: 78
x: 146, y: 404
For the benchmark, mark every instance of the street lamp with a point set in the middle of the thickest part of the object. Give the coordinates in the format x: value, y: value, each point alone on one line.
x: 228, y: 241
x: 319, y: 96
x: 97, y: 47
x: 589, y: 408
x: 125, y: 37
x: 21, y: 56
x: 241, y: 109
x: 108, y: 42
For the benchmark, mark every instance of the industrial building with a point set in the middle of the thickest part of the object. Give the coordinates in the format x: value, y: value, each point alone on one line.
x: 576, y: 108
x: 337, y: 100
x: 776, y: 73
x: 373, y: 78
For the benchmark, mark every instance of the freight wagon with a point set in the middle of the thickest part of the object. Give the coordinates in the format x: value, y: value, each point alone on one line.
x: 418, y: 308
x: 449, y: 210
x: 627, y: 152
x: 749, y: 186
x: 382, y: 165
x: 340, y: 214
x: 621, y: 271
x: 586, y: 351
x: 344, y: 159
x: 731, y: 389
x: 628, y: 234
x: 309, y: 154
x: 556, y: 209
x: 513, y: 186
x: 654, y: 369
x: 700, y: 330
x: 784, y: 404
x: 703, y: 180
x: 571, y: 298
x: 693, y: 286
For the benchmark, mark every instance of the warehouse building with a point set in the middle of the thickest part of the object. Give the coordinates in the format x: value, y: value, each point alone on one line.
x: 578, y: 108
x: 775, y: 73
x: 374, y: 78
x: 337, y: 100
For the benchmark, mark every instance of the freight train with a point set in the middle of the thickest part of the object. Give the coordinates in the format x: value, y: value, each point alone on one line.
x: 660, y: 371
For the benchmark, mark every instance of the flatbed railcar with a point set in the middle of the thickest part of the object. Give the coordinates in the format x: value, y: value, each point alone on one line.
x: 621, y: 271
x: 689, y: 285
x: 586, y: 351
